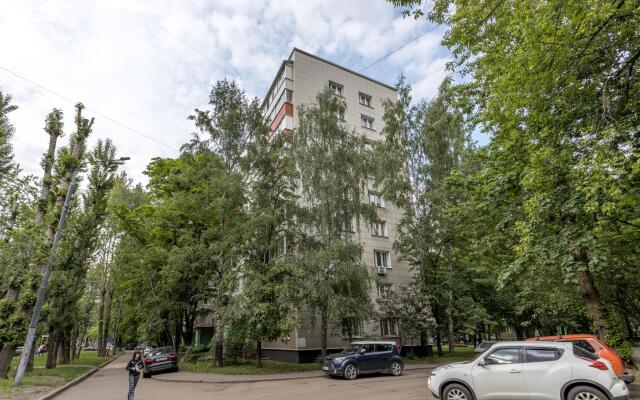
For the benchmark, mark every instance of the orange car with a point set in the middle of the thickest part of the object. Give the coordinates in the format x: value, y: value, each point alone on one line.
x: 594, y: 345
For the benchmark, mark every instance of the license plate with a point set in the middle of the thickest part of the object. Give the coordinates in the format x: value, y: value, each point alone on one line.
x: 325, y: 368
x: 161, y: 359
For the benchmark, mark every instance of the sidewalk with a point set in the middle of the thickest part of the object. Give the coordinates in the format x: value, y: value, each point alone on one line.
x: 192, y: 377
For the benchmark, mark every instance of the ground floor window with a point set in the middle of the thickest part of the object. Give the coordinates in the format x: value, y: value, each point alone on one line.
x: 352, y: 328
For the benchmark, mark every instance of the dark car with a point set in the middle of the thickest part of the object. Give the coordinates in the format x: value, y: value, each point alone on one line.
x: 160, y: 359
x: 365, y: 358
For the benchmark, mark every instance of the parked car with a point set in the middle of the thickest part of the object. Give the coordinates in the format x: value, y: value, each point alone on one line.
x: 592, y: 344
x: 483, y: 346
x: 529, y: 370
x: 18, y: 351
x: 160, y: 359
x: 130, y: 346
x: 365, y: 357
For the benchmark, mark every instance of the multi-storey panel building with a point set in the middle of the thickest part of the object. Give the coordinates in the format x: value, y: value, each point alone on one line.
x: 300, y: 78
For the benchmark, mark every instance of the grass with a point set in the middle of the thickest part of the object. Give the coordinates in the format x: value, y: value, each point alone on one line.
x: 272, y: 367
x: 86, y: 358
x: 50, y: 378
x: 41, y: 377
x: 248, y: 368
x: 460, y: 354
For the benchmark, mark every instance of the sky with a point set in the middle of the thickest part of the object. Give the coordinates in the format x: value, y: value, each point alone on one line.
x: 142, y: 67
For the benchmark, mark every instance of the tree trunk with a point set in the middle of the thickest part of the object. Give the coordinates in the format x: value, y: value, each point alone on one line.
x: 66, y: 349
x: 101, y: 339
x: 79, y: 348
x: 52, y: 349
x: 439, y: 343
x: 107, y: 322
x: 591, y: 297
x: 177, y: 334
x: 258, y: 354
x: 32, y: 356
x: 6, y: 355
x: 218, y: 342
x: 323, y: 334
x: 451, y: 348
x: 73, y: 342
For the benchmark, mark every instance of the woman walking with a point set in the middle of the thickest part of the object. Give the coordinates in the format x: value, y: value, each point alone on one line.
x: 134, y: 366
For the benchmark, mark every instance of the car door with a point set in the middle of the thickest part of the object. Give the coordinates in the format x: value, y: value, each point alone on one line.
x: 545, y: 371
x: 367, y: 358
x: 500, y: 378
x: 383, y: 356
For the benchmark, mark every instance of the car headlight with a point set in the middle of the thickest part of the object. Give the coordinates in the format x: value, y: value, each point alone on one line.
x: 338, y: 359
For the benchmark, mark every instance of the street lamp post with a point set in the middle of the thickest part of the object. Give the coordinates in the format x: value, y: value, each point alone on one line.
x: 42, y: 290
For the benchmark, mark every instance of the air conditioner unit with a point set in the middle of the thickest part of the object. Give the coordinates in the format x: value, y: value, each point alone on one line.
x: 381, y: 270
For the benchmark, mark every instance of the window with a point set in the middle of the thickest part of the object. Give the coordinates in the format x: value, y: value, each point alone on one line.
x: 365, y: 99
x: 375, y: 199
x: 340, y: 114
x: 385, y: 290
x: 366, y: 122
x: 336, y: 88
x: 348, y: 226
x: 352, y: 327
x: 503, y: 356
x: 580, y: 352
x: 583, y: 344
x: 368, y: 348
x: 379, y: 229
x: 542, y: 355
x: 388, y: 327
x: 383, y: 347
x: 381, y: 259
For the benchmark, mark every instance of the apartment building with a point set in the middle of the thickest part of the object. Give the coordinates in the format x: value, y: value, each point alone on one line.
x: 298, y: 81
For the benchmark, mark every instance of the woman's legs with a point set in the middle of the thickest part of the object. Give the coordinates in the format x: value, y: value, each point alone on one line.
x: 133, y: 382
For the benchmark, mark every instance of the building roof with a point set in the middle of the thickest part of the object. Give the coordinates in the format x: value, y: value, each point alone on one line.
x: 341, y: 67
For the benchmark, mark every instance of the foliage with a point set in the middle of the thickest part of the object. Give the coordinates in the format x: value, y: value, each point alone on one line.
x: 333, y: 170
x: 555, y: 85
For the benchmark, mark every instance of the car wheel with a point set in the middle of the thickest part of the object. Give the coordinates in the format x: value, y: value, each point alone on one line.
x: 350, y: 372
x: 456, y: 392
x: 586, y: 393
x: 395, y: 369
x: 146, y: 374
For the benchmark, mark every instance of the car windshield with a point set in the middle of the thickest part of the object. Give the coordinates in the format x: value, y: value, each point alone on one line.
x: 352, y: 348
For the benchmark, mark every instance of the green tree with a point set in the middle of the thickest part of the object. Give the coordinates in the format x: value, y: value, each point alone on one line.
x: 333, y: 167
x: 6, y: 132
x: 557, y: 84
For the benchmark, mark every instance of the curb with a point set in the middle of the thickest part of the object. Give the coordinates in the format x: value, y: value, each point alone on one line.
x: 79, y: 379
x: 256, y: 380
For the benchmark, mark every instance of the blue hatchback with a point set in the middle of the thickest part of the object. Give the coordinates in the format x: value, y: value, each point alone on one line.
x: 364, y: 358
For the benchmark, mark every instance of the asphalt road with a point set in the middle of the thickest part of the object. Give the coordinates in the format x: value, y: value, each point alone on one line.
x: 110, y: 383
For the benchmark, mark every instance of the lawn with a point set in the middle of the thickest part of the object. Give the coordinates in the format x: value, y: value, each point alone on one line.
x: 248, y: 368
x: 460, y: 354
x: 49, y: 378
x: 86, y: 358
x: 272, y: 367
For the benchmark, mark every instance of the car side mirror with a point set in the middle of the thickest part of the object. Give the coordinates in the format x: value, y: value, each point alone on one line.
x: 481, y: 363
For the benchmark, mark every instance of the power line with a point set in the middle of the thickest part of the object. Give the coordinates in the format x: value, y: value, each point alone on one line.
x: 427, y: 74
x: 399, y: 48
x: 168, y: 33
x: 96, y: 112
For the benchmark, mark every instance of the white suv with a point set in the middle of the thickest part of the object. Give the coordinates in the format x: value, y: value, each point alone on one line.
x: 531, y: 371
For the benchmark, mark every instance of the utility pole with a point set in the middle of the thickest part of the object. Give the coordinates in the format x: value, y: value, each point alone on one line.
x: 42, y: 290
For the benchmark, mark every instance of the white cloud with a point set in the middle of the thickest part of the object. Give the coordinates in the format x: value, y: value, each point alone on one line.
x: 149, y: 64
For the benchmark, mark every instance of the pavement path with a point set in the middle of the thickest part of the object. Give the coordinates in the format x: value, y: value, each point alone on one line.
x: 110, y: 383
